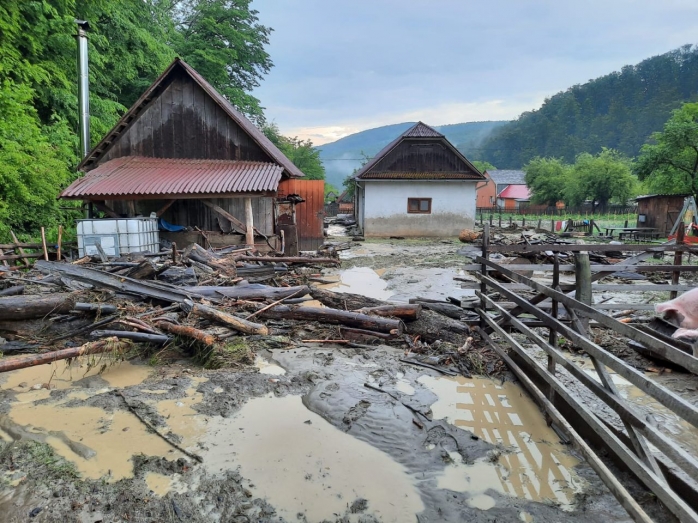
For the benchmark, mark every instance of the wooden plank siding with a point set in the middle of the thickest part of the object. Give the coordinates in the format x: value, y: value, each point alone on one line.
x: 185, y: 122
x: 423, y: 155
x: 310, y: 213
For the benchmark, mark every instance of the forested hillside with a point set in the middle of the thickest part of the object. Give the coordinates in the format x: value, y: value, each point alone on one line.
x: 340, y: 158
x: 618, y: 111
x: 130, y: 44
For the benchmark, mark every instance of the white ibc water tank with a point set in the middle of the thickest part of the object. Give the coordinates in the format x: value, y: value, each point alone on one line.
x: 118, y: 236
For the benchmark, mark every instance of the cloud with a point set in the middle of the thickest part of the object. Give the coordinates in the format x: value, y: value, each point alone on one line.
x: 345, y: 65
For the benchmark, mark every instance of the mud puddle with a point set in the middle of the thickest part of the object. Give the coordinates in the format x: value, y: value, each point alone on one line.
x: 533, y: 464
x: 360, y: 280
x: 267, y: 367
x: 304, y: 466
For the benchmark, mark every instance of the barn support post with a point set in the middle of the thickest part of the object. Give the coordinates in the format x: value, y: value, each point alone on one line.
x: 249, y: 223
x: 678, y: 258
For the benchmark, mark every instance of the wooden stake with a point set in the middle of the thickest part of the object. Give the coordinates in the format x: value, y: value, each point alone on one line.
x: 43, y: 243
x: 21, y: 251
x: 249, y: 223
x: 678, y: 258
x: 58, y: 247
x: 582, y: 293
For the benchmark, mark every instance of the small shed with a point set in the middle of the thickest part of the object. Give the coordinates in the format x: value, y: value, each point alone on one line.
x: 184, y: 153
x: 659, y: 211
x: 510, y: 197
x: 418, y: 185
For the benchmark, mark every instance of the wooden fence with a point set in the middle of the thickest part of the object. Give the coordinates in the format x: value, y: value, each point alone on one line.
x: 653, y: 455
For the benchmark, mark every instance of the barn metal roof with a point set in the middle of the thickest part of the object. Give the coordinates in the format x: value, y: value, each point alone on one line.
x: 137, y: 176
x: 431, y: 175
x: 512, y: 177
x: 153, y: 91
x: 422, y: 130
x: 517, y: 192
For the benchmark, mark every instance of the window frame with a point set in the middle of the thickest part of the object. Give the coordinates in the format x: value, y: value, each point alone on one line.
x: 419, y: 202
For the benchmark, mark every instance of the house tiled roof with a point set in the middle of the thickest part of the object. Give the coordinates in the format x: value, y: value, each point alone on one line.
x: 516, y: 192
x: 509, y: 177
x: 166, y: 177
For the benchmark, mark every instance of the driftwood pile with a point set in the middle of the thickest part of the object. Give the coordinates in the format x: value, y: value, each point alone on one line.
x: 212, y: 303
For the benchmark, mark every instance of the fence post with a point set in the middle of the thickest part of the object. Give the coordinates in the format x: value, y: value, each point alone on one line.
x: 483, y: 284
x: 678, y: 258
x: 523, y: 221
x: 552, y: 225
x: 500, y: 220
x: 582, y: 291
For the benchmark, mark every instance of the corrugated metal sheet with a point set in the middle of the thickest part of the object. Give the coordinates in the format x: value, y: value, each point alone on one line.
x: 422, y: 130
x: 139, y: 176
x: 310, y: 213
x: 516, y: 192
x: 391, y: 175
x: 507, y: 176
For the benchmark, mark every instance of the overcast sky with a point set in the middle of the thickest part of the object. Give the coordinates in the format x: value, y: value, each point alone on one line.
x: 342, y: 66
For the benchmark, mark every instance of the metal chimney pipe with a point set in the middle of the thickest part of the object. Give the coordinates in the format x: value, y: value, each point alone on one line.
x: 83, y: 88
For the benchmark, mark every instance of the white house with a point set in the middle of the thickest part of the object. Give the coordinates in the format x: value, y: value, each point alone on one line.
x: 418, y: 185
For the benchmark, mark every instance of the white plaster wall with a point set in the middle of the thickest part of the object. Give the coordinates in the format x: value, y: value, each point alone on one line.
x: 385, y: 208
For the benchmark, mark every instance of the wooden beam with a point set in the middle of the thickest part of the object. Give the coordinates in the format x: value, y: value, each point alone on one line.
x: 164, y: 208
x: 237, y: 224
x: 593, y: 248
x: 106, y: 209
x: 618, y: 267
x: 21, y: 251
x: 249, y: 222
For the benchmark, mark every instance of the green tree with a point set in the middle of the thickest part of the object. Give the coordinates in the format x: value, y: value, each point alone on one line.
x: 670, y: 164
x: 601, y: 178
x: 300, y: 152
x: 547, y: 179
x: 483, y: 166
x: 224, y: 41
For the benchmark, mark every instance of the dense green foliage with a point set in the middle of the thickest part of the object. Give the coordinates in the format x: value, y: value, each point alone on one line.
x: 130, y: 44
x: 600, y: 178
x: 300, y: 152
x: 618, y: 111
x: 483, y: 166
x: 670, y: 163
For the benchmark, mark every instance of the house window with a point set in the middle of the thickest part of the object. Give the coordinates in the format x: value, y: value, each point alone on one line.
x: 419, y: 205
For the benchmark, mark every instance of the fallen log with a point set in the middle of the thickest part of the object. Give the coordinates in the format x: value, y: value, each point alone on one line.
x: 430, y: 325
x: 93, y: 347
x: 234, y: 322
x: 199, y: 254
x: 188, y: 332
x: 145, y: 270
x: 404, y: 312
x: 334, y: 316
x: 250, y: 291
x: 100, y: 308
x: 288, y: 259
x: 35, y: 306
x: 12, y: 291
x: 140, y: 337
x: 445, y: 308
x: 123, y: 284
x: 363, y: 335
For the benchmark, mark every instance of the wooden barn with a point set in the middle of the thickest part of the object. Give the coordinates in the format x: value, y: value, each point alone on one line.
x: 186, y: 154
x: 659, y: 211
x: 418, y: 185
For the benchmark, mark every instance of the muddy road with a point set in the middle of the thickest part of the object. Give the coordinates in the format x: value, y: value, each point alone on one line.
x: 311, y: 433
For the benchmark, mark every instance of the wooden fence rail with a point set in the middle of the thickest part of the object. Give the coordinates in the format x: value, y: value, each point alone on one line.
x: 654, y: 457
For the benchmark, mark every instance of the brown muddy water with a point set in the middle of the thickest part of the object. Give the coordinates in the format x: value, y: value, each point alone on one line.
x: 306, y: 439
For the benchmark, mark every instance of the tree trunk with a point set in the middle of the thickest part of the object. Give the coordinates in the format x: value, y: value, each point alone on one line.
x: 189, y: 332
x: 93, y: 347
x: 199, y: 254
x: 252, y: 291
x: 234, y: 322
x: 404, y: 312
x: 334, y: 316
x: 35, y: 306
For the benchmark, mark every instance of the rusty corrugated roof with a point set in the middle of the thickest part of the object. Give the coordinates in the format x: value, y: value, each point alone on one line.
x: 430, y: 175
x: 133, y: 113
x: 168, y: 177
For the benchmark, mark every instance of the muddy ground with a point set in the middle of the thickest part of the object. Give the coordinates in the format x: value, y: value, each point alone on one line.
x: 304, y: 434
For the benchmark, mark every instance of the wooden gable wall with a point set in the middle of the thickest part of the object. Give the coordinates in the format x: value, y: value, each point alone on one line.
x: 183, y: 121
x: 421, y: 156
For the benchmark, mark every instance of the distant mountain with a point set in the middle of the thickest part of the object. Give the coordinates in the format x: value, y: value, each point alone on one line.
x: 619, y: 111
x: 340, y: 158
